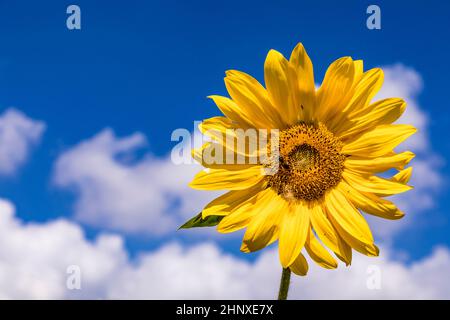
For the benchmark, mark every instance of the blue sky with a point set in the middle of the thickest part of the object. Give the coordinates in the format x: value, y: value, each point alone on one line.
x: 147, y: 67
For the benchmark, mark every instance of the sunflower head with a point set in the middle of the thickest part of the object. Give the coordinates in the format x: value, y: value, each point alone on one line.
x: 310, y: 162
x: 332, y: 144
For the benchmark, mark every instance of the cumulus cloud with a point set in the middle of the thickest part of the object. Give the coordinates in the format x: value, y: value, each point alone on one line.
x: 18, y: 134
x: 118, y: 191
x: 204, y: 272
x: 35, y: 257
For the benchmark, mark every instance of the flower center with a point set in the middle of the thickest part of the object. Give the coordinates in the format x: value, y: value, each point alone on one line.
x: 310, y: 162
x: 303, y: 157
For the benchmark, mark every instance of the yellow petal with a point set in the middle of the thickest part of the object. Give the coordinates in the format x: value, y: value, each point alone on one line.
x: 380, y: 164
x: 379, y: 141
x: 216, y: 127
x: 359, y: 70
x: 230, y: 201
x: 403, y: 176
x: 347, y: 217
x: 300, y: 266
x: 366, y: 88
x: 218, y: 179
x: 244, y: 142
x: 263, y: 228
x: 371, y: 203
x: 374, y: 184
x: 279, y: 86
x: 335, y: 90
x: 305, y: 77
x: 382, y: 112
x: 251, y: 96
x: 293, y: 232
x: 233, y: 112
x: 241, y: 215
x: 318, y: 253
x: 350, y: 224
x: 216, y: 156
x: 328, y: 235
x: 363, y: 91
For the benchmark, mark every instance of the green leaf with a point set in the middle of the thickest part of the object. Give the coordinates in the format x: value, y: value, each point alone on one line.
x: 198, y: 221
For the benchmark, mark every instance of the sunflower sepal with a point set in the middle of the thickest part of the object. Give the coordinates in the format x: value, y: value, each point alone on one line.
x: 198, y: 221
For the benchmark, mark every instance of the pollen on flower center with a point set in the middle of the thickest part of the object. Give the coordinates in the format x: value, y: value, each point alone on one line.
x: 310, y: 162
x: 303, y: 157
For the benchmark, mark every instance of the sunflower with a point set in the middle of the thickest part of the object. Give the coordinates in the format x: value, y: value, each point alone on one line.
x: 333, y: 144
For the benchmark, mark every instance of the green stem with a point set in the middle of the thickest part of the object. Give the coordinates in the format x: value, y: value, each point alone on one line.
x: 284, y: 284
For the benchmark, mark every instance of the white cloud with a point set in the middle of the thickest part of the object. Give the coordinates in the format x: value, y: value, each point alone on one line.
x: 422, y: 279
x: 18, y: 134
x: 204, y: 272
x: 119, y: 192
x: 34, y: 258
